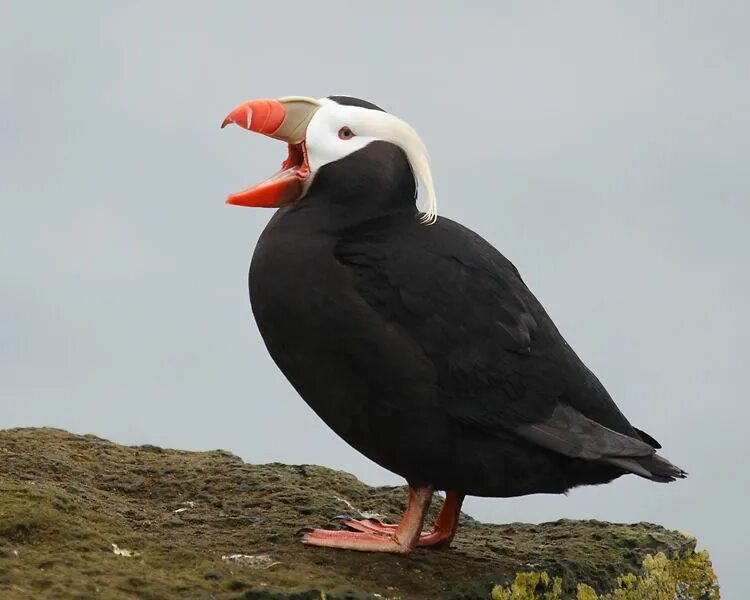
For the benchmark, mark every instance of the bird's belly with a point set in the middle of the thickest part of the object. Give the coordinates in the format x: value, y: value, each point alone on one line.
x: 367, y: 398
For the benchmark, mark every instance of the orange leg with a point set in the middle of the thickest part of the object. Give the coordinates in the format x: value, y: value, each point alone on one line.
x: 442, y: 531
x: 446, y: 524
x: 399, y: 539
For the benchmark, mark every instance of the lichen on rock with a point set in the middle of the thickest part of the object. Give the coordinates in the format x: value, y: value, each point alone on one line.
x: 686, y: 577
x: 531, y: 585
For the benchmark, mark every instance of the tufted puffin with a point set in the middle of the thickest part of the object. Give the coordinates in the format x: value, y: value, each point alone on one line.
x: 411, y: 336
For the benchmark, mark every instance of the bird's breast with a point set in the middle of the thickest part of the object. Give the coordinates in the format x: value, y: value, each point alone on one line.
x: 346, y: 362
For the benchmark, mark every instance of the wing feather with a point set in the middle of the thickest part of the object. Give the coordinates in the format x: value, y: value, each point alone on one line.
x: 501, y: 362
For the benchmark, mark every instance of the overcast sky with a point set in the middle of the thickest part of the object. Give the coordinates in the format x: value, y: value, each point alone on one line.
x: 603, y: 147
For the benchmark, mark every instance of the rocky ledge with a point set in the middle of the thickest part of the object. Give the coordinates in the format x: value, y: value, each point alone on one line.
x: 81, y: 517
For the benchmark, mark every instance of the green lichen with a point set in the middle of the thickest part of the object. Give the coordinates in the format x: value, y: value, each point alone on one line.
x: 687, y: 577
x: 530, y: 585
x: 585, y: 592
x: 690, y: 577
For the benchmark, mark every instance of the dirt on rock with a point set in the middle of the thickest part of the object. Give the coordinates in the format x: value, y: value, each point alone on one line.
x: 82, y: 517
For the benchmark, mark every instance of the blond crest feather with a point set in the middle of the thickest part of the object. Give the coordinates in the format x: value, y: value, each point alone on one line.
x: 389, y: 128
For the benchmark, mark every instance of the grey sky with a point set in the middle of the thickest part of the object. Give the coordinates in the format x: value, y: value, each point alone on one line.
x: 601, y: 146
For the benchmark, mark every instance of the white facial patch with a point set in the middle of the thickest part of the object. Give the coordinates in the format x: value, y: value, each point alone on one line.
x: 327, y: 141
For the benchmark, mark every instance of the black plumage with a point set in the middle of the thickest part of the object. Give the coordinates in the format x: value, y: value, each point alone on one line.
x: 421, y: 346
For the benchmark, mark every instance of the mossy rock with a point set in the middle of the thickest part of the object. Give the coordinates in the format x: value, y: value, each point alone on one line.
x: 81, y: 517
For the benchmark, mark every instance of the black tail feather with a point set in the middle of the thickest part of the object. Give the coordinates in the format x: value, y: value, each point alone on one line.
x: 653, y: 467
x: 648, y: 439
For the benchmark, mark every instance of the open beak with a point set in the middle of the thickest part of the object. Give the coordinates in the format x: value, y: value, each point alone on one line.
x: 284, y: 119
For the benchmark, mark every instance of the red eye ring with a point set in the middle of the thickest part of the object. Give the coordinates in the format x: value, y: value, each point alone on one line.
x: 345, y: 133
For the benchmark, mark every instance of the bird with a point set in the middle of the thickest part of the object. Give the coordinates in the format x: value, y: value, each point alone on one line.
x: 413, y: 338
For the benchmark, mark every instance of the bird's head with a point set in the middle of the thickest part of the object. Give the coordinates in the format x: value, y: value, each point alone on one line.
x: 336, y: 141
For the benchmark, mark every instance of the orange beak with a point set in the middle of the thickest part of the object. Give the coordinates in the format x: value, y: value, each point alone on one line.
x: 284, y: 119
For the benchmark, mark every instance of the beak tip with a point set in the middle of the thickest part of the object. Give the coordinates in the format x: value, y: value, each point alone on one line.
x: 242, y: 116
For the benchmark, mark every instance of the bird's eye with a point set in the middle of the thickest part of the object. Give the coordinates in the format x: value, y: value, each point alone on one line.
x: 345, y: 133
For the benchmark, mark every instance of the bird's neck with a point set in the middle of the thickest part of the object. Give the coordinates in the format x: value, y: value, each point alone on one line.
x: 370, y: 184
x: 342, y: 208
